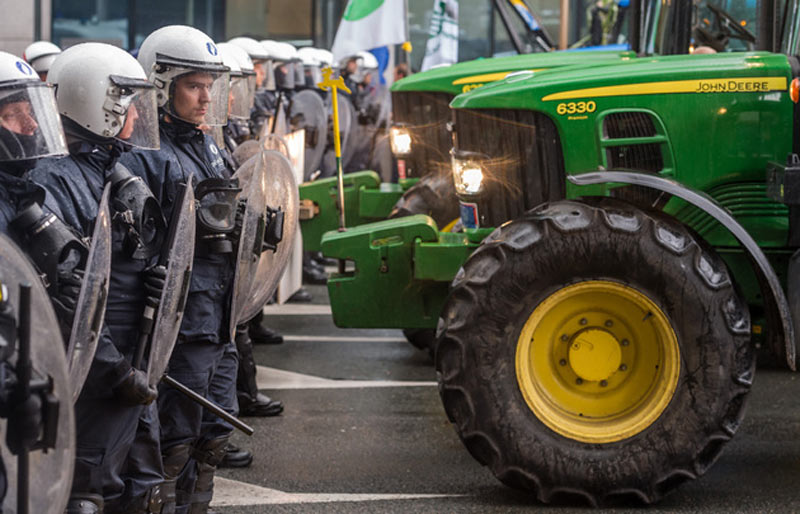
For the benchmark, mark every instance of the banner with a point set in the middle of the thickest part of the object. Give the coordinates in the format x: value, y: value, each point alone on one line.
x: 369, y: 24
x: 442, y: 47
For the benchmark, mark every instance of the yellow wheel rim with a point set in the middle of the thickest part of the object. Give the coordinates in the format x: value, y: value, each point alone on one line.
x: 449, y: 227
x: 597, y: 361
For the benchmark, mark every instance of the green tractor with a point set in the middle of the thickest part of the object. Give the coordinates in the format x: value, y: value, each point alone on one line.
x: 631, y: 238
x: 419, y: 136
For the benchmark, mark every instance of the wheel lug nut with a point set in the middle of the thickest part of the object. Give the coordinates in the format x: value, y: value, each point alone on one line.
x: 563, y: 362
x: 625, y: 342
x: 623, y: 367
x: 609, y: 323
x: 564, y: 337
x: 579, y: 380
x: 603, y: 383
x: 583, y: 321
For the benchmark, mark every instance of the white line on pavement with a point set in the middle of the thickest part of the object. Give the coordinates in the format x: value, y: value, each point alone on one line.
x: 272, y: 378
x: 297, y: 309
x: 231, y: 493
x: 346, y: 339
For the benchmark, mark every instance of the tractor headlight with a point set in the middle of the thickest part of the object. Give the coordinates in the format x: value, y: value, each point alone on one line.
x: 468, y: 172
x: 400, y: 139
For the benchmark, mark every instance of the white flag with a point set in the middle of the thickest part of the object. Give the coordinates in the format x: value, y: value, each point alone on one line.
x: 442, y: 47
x: 368, y: 24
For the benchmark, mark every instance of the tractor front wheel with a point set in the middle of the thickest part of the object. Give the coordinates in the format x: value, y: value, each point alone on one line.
x: 597, y: 351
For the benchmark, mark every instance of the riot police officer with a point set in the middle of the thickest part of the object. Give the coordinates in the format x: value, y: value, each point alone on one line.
x: 107, y: 107
x: 192, y: 90
x: 29, y: 130
x: 263, y: 100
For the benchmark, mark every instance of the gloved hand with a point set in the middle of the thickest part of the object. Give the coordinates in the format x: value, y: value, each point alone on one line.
x: 24, y: 424
x: 65, y: 299
x: 154, y: 279
x: 134, y: 390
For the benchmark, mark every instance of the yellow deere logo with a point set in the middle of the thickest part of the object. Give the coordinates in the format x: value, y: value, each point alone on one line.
x: 726, y: 85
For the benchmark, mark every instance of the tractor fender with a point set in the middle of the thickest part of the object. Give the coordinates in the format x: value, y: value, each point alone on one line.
x: 768, y: 280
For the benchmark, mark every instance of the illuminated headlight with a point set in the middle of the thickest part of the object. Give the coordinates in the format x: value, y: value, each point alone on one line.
x: 468, y: 173
x: 400, y: 139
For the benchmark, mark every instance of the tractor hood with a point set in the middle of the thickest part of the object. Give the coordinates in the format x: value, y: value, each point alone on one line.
x: 716, y: 73
x: 465, y: 76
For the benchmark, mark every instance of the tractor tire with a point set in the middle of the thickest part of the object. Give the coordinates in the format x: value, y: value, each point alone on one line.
x: 434, y: 195
x: 595, y: 353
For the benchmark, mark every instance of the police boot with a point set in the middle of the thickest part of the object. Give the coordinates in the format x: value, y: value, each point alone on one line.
x: 259, y: 334
x: 251, y: 402
x: 85, y: 504
x: 175, y: 459
x: 313, y: 273
x: 207, y: 456
x: 236, y: 457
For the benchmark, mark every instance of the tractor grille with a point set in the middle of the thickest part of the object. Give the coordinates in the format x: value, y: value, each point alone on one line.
x: 526, y: 164
x: 426, y: 115
x: 618, y: 125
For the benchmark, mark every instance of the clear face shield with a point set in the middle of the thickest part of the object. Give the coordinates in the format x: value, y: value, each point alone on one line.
x: 284, y: 75
x: 268, y: 72
x: 201, y: 97
x: 313, y: 76
x: 30, y: 126
x: 132, y: 104
x: 299, y: 75
x: 240, y: 96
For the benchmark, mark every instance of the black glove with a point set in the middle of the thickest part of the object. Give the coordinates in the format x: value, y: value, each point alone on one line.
x: 154, y: 279
x: 65, y: 299
x: 134, y: 390
x: 24, y: 424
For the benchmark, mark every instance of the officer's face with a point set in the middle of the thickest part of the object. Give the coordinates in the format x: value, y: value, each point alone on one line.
x: 193, y: 96
x: 18, y: 117
x: 130, y: 122
x: 261, y: 73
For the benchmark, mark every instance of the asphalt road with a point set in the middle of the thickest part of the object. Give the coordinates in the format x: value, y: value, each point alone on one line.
x: 364, y: 431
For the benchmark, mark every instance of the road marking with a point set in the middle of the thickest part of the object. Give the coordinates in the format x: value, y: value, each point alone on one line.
x: 346, y: 339
x: 297, y: 309
x: 272, y: 378
x: 232, y: 493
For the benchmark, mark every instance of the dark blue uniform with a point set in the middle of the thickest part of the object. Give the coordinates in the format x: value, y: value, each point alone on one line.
x: 118, y: 454
x: 204, y: 358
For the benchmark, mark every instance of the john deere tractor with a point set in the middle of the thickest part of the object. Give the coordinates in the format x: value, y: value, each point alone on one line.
x: 419, y: 138
x: 631, y: 241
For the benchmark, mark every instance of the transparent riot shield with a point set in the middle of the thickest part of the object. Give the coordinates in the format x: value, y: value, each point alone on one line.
x: 177, y: 257
x: 281, y: 193
x: 252, y: 175
x: 308, y: 112
x: 51, y: 461
x: 91, y: 307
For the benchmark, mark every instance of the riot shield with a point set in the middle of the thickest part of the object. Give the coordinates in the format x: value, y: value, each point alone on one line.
x: 347, y: 122
x: 246, y: 150
x: 177, y: 256
x: 308, y: 112
x: 51, y: 461
x: 91, y: 307
x: 252, y: 174
x: 281, y: 192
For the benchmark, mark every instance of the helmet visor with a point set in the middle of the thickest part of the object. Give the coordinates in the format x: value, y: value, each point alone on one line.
x: 299, y: 76
x: 240, y: 97
x: 30, y: 126
x: 140, y: 122
x: 201, y: 98
x: 284, y: 75
x: 313, y: 76
x: 269, y: 75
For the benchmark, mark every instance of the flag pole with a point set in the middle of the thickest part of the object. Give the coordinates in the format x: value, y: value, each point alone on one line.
x: 333, y: 85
